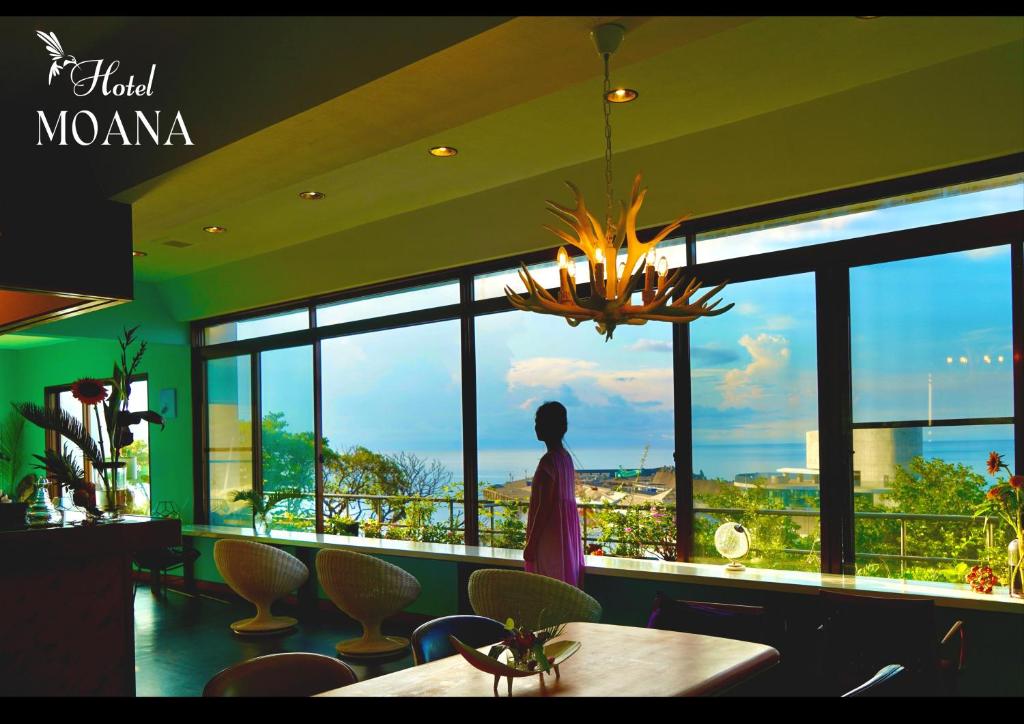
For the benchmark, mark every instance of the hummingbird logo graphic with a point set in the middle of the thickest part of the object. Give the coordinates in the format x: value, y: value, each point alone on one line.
x: 60, y: 59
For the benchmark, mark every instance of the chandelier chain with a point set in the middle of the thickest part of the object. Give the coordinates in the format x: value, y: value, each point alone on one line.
x: 608, y: 190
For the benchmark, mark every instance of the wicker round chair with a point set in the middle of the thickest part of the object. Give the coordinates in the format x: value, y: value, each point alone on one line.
x: 288, y: 674
x: 529, y: 599
x: 260, y: 574
x: 368, y: 590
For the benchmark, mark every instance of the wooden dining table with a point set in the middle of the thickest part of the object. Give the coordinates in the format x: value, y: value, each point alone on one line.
x: 612, y: 661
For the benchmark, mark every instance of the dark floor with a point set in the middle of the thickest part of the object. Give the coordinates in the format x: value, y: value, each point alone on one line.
x: 181, y: 642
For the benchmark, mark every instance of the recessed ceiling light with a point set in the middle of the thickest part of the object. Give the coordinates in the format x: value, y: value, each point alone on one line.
x: 136, y: 252
x: 443, y: 151
x: 621, y: 95
x: 311, y: 195
x: 214, y: 229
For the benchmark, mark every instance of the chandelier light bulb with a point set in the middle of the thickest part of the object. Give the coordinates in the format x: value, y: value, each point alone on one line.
x: 949, y: 360
x: 570, y: 266
x: 622, y: 269
x: 1000, y: 359
x: 662, y: 266
x: 563, y: 258
x: 963, y: 360
x: 988, y: 359
x: 599, y: 255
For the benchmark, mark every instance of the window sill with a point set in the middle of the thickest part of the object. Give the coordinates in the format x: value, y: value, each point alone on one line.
x: 949, y: 595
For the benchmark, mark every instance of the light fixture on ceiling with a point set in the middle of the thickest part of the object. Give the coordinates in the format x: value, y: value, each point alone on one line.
x: 621, y: 95
x: 311, y: 195
x: 137, y: 253
x: 215, y: 229
x: 613, y: 283
x: 444, y: 151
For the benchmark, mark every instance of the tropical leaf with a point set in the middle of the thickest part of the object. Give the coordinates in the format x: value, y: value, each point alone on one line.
x: 59, y: 421
x: 62, y: 467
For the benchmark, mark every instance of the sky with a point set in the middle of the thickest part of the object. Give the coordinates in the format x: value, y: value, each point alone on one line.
x: 754, y: 379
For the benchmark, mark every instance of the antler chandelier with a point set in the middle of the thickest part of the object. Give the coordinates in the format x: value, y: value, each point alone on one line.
x: 664, y: 298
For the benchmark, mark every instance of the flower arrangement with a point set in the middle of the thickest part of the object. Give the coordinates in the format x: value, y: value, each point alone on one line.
x: 262, y: 503
x: 62, y: 465
x: 526, y: 647
x: 982, y: 579
x: 1005, y: 500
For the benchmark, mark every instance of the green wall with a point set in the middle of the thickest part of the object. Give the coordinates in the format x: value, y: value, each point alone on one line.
x: 86, y: 346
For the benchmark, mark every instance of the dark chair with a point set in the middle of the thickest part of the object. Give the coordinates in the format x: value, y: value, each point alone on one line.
x: 725, y: 620
x: 861, y: 634
x: 430, y: 641
x: 161, y: 560
x: 291, y: 674
x: 887, y: 682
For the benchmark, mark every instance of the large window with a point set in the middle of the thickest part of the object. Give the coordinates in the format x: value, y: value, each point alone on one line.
x: 619, y: 400
x: 408, y: 413
x: 392, y: 425
x: 932, y: 348
x: 755, y: 417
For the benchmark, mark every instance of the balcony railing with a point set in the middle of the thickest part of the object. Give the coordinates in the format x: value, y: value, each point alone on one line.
x: 490, y: 530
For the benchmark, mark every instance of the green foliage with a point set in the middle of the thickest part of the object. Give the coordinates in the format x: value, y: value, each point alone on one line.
x: 11, y: 458
x: 56, y: 420
x: 509, y: 526
x: 637, y: 531
x: 776, y: 540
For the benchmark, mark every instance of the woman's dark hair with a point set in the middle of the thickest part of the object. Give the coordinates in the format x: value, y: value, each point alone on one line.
x: 552, y: 421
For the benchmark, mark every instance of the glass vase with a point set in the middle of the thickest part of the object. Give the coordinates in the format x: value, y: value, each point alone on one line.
x: 261, y: 524
x: 116, y: 491
x: 1017, y: 582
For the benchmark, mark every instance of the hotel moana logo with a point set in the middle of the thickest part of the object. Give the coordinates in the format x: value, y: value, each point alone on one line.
x: 85, y: 128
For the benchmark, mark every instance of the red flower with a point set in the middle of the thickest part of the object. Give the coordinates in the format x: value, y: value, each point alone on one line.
x: 89, y: 391
x: 1017, y: 482
x: 993, y: 493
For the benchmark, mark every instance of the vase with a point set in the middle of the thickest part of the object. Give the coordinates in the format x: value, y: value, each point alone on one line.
x: 40, y: 510
x: 261, y: 524
x: 1017, y: 584
x: 116, y: 493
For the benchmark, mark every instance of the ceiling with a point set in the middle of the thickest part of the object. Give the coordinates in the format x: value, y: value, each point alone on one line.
x: 732, y: 111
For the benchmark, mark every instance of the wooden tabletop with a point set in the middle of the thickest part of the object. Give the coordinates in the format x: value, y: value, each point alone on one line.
x: 613, y: 661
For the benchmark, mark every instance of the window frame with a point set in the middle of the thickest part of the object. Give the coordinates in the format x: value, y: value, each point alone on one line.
x: 51, y: 400
x: 830, y: 263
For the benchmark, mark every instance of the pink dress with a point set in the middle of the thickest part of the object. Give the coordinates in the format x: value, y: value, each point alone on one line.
x: 553, y: 546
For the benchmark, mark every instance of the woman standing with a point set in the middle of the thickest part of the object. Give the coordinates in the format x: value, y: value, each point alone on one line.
x: 553, y: 546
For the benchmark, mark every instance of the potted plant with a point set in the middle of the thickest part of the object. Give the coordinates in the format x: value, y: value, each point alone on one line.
x: 1005, y: 500
x: 342, y: 525
x: 263, y: 504
x: 62, y: 466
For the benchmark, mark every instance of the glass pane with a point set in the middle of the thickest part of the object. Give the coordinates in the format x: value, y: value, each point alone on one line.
x: 619, y: 398
x: 258, y: 327
x: 136, y: 455
x: 489, y: 286
x: 923, y: 352
x: 381, y: 305
x: 915, y: 501
x: 286, y: 392
x: 392, y: 419
x: 229, y: 441
x: 932, y: 337
x: 966, y: 201
x: 755, y: 418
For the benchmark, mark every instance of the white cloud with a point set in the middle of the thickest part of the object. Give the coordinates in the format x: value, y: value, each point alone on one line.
x: 592, y: 385
x: 752, y: 386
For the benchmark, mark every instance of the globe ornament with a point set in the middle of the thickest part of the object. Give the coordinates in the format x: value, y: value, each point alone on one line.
x: 732, y: 542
